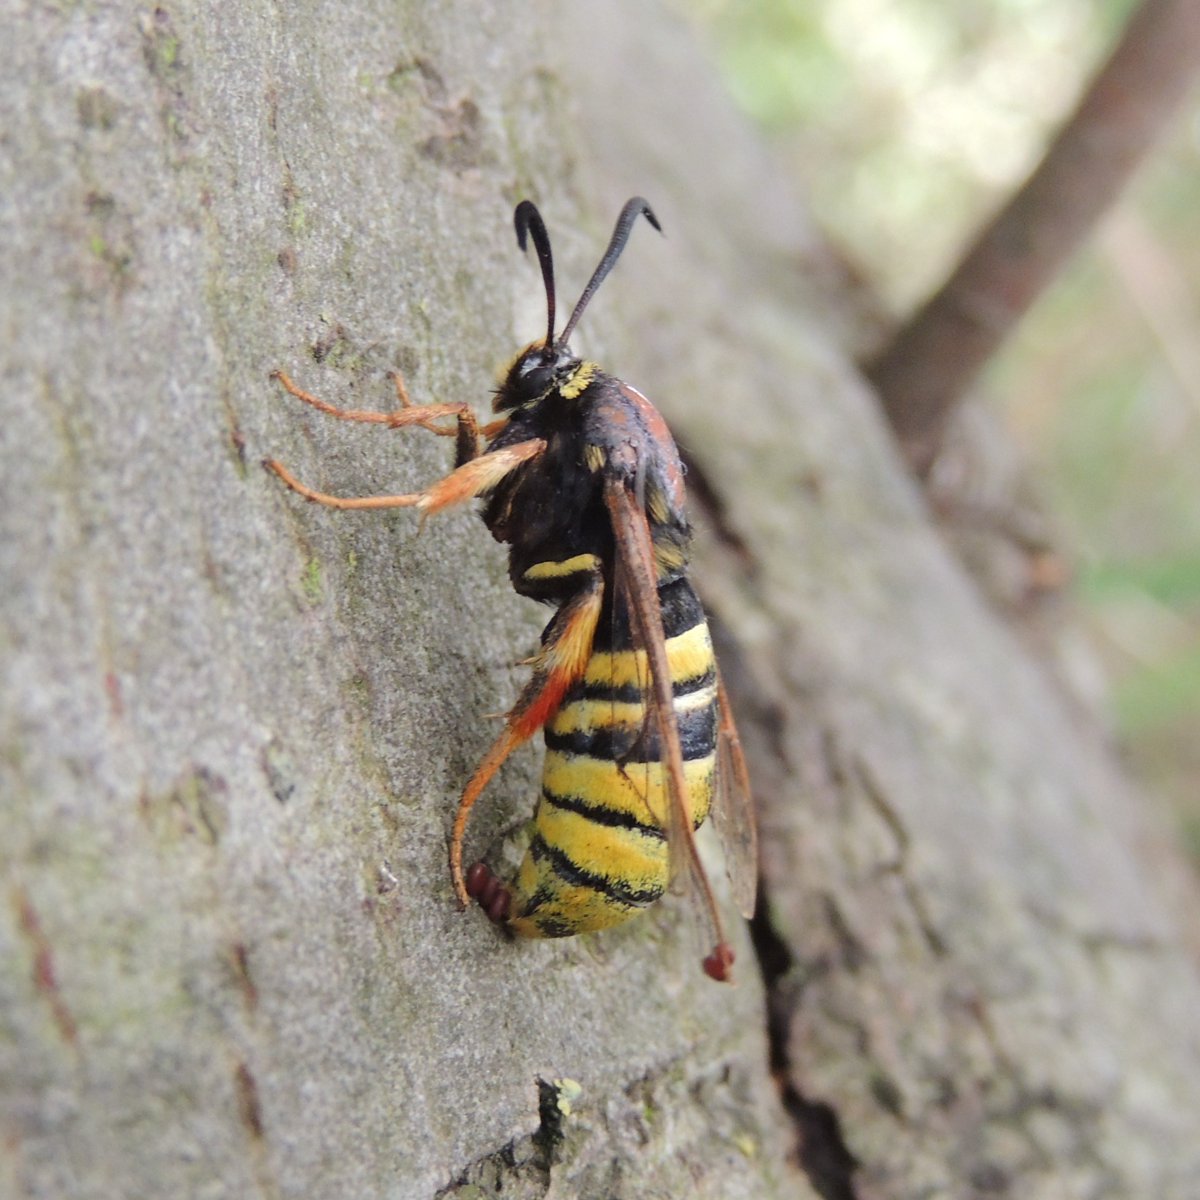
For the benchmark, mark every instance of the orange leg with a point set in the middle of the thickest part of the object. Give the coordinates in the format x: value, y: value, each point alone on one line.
x: 559, y: 664
x: 424, y: 415
x: 464, y: 416
x: 477, y: 473
x: 468, y: 481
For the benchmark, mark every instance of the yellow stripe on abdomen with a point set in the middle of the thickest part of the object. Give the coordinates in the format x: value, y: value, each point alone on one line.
x: 599, y: 850
x: 637, y: 790
x: 583, y: 715
x: 689, y: 656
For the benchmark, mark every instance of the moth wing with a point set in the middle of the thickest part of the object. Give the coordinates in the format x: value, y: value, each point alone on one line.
x: 636, y: 579
x: 733, y: 810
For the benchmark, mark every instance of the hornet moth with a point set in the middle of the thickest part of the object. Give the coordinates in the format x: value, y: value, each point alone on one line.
x: 581, y: 479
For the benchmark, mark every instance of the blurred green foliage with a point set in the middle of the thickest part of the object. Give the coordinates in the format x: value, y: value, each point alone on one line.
x: 906, y: 122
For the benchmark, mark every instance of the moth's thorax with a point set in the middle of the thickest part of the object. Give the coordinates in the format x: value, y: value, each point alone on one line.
x: 551, y: 511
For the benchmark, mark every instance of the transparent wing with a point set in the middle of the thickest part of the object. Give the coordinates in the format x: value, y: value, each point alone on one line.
x: 637, y: 583
x: 733, y: 810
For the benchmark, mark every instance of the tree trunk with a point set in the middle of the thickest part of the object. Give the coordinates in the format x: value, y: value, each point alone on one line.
x: 235, y: 725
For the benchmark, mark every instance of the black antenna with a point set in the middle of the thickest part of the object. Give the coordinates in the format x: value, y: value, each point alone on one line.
x: 528, y: 220
x: 637, y: 207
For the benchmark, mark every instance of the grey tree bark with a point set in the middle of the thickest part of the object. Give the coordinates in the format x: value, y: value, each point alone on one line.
x: 233, y: 726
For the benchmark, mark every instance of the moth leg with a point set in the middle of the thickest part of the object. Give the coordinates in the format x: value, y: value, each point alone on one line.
x: 465, y: 427
x: 464, y: 483
x: 566, y: 648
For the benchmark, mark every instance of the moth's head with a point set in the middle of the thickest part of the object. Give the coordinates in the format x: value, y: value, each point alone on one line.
x: 549, y: 364
x: 535, y: 372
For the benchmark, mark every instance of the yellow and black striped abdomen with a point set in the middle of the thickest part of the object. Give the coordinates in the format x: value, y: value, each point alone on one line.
x: 599, y: 848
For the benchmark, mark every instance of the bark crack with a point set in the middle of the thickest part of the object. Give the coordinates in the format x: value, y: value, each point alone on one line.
x: 820, y: 1147
x: 876, y: 796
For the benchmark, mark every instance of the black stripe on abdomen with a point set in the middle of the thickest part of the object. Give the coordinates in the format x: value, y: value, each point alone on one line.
x: 576, y: 876
x: 626, y: 744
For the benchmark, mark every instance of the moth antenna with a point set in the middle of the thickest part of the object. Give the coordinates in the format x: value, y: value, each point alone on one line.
x: 637, y: 207
x: 529, y: 221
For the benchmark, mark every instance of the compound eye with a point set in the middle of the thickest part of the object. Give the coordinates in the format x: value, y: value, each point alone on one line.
x: 536, y: 379
x: 527, y: 379
x: 530, y: 363
x: 531, y: 377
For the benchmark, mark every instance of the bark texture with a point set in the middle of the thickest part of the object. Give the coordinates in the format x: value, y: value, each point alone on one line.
x: 232, y: 726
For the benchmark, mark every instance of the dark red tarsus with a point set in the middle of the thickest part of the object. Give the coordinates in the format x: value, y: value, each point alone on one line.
x: 717, y: 965
x: 493, y: 896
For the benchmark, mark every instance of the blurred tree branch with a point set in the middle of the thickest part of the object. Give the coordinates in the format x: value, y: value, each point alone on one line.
x: 923, y: 373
